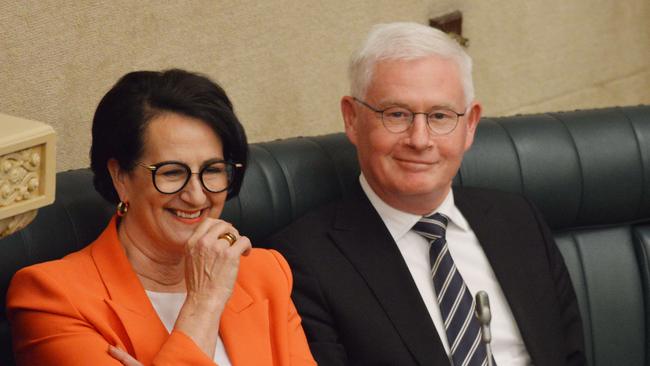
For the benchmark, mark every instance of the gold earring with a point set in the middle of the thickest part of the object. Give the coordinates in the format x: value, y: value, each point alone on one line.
x: 122, y: 208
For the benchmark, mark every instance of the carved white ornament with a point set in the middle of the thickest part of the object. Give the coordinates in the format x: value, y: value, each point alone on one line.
x: 19, y: 175
x: 27, y: 170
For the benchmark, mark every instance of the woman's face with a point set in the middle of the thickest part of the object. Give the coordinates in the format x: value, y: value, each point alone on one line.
x: 170, y: 219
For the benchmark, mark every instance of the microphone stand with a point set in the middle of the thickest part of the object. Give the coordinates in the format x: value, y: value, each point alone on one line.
x: 484, y: 317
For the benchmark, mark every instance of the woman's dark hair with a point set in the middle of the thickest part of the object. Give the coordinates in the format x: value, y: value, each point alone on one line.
x: 124, y: 112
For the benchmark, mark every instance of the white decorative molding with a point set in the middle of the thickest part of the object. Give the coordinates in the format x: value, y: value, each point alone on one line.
x: 27, y: 171
x: 19, y: 175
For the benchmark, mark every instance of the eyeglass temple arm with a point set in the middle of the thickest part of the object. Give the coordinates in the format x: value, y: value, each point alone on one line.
x: 150, y: 167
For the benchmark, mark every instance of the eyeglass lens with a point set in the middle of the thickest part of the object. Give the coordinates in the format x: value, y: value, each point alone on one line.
x: 172, y: 177
x: 398, y: 119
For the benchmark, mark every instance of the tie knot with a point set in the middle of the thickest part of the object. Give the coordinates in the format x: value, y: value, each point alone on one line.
x: 432, y: 227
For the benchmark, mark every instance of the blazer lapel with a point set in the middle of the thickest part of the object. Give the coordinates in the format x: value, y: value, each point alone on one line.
x: 127, y: 298
x: 245, y: 329
x: 363, y: 238
x: 244, y: 326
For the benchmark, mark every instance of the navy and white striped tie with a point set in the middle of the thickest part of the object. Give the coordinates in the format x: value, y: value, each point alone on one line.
x: 456, y: 303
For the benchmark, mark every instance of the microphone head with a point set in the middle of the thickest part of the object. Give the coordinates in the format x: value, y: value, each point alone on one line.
x: 483, y: 313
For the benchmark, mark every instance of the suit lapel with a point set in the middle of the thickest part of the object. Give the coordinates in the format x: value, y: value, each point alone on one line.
x: 127, y: 297
x: 363, y: 238
x: 509, y: 254
x: 502, y: 251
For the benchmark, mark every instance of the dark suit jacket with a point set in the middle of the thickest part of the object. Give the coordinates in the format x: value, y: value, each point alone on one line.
x: 360, y: 305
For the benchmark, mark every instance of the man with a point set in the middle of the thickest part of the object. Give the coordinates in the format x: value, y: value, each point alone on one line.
x: 387, y: 276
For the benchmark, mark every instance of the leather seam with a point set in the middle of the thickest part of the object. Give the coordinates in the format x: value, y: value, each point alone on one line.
x: 339, y: 175
x: 587, y: 296
x: 579, y: 159
x: 643, y: 172
x: 285, y: 175
x: 517, y: 156
x: 642, y: 259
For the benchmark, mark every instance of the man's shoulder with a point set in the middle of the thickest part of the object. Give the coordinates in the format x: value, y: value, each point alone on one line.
x: 496, y: 205
x: 314, y: 226
x: 313, y: 223
x: 486, y: 193
x: 492, y: 208
x: 488, y: 197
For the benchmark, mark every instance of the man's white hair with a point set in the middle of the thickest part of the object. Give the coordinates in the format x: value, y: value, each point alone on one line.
x: 406, y: 41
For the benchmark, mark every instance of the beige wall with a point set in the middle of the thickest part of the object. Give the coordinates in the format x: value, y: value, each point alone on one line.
x: 283, y: 61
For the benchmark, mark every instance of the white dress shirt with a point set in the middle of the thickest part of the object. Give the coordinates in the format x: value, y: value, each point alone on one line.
x: 168, y: 306
x: 507, y: 344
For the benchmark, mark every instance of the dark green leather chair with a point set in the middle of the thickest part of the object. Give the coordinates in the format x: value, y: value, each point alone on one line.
x: 587, y: 171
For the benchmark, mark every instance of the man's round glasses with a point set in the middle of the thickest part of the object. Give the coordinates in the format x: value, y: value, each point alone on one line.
x: 441, y: 121
x: 170, y: 177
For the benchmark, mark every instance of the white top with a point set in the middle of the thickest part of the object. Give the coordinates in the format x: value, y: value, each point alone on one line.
x: 168, y: 305
x: 507, y: 345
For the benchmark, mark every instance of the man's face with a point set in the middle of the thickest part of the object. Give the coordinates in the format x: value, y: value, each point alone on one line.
x: 412, y: 170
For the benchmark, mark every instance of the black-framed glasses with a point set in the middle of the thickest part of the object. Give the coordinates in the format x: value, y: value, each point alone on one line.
x: 170, y: 177
x: 441, y: 121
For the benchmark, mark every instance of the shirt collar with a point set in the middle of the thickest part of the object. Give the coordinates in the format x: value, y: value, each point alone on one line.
x: 399, y: 222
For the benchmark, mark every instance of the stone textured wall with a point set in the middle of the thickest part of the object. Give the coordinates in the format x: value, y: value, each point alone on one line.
x: 283, y: 62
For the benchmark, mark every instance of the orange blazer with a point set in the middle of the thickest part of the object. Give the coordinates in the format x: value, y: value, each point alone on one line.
x: 68, y: 311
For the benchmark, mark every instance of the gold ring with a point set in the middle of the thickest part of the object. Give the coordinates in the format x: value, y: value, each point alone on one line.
x: 230, y: 238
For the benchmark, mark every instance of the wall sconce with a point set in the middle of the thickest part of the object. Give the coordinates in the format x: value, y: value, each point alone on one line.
x: 452, y: 24
x: 27, y: 171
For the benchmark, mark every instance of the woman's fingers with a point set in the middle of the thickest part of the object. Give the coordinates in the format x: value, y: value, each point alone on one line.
x: 211, y: 229
x: 242, y: 245
x: 122, y: 356
x: 203, y: 228
x: 230, y: 238
x: 212, y: 260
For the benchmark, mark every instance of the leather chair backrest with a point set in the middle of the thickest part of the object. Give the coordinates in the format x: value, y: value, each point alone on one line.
x: 587, y: 171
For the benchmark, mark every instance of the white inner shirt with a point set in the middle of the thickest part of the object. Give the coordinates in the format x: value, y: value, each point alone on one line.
x: 168, y: 306
x: 507, y: 344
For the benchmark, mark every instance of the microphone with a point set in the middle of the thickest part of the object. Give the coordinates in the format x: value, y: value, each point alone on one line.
x: 484, y: 317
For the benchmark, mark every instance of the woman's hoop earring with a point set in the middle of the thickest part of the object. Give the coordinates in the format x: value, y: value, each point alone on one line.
x: 122, y: 208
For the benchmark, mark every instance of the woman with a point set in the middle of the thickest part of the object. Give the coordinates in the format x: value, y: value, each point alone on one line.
x: 167, y: 282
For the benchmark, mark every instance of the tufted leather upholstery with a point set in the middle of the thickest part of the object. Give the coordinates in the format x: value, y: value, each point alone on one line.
x: 587, y: 171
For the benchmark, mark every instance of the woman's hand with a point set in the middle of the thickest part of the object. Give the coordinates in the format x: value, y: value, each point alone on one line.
x: 211, y: 267
x: 122, y: 356
x: 212, y: 262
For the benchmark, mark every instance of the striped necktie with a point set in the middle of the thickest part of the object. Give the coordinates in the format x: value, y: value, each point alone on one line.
x: 455, y: 301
